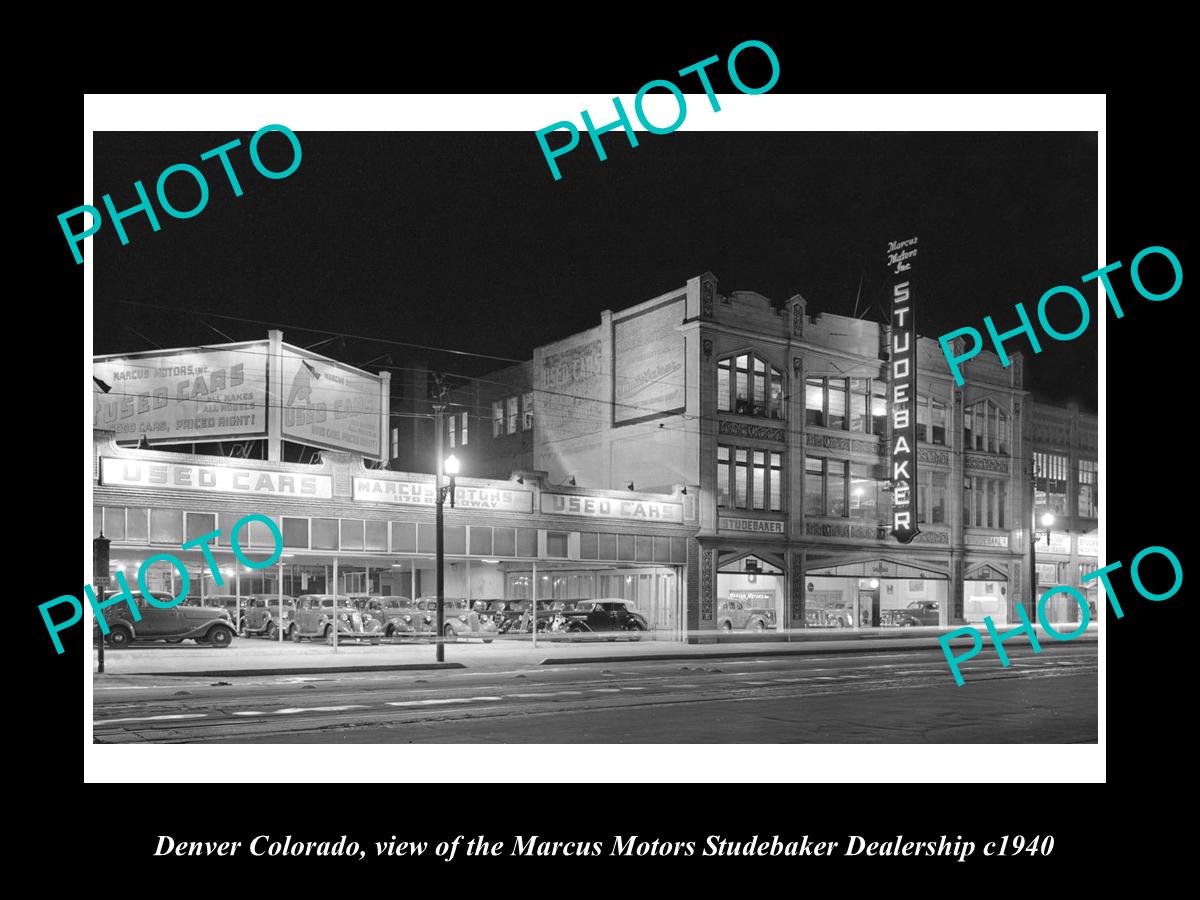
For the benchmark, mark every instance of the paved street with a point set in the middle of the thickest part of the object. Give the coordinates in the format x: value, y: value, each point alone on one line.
x: 890, y: 696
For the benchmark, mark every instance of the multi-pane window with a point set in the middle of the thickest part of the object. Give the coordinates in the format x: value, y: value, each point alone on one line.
x: 814, y: 486
x: 749, y: 386
x: 1050, y: 481
x: 986, y: 427
x: 395, y: 442
x: 757, y: 478
x: 931, y: 497
x: 527, y: 411
x: 931, y: 420
x: 859, y: 400
x: 1088, y: 496
x: 835, y: 487
x: 864, y: 492
x: 879, y: 407
x: 497, y: 418
x: 739, y: 477
x: 775, y: 490
x: 462, y: 429
x: 512, y: 414
x: 861, y: 404
x: 722, y: 475
x: 985, y: 503
x: 452, y: 431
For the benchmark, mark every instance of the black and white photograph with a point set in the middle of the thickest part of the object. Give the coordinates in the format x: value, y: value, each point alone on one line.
x: 729, y: 437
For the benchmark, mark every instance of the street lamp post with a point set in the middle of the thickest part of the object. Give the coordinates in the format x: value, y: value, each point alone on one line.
x: 450, y: 466
x: 1034, y: 534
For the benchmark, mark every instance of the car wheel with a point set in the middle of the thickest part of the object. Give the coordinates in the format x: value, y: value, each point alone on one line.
x: 329, y: 635
x: 760, y: 625
x: 391, y: 632
x: 294, y: 634
x: 450, y: 633
x: 220, y: 636
x: 270, y: 630
x: 119, y: 638
x: 727, y: 625
x: 241, y: 627
x: 174, y: 640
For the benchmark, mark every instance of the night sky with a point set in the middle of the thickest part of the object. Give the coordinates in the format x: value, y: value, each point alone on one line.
x: 464, y: 240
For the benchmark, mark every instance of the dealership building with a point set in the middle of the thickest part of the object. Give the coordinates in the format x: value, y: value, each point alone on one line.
x: 722, y: 462
x: 775, y: 423
x: 162, y: 475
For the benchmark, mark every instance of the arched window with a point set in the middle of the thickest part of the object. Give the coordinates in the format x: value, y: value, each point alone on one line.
x: 750, y: 386
x: 986, y: 427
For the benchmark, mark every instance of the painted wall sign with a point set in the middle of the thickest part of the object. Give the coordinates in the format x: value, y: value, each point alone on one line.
x: 769, y: 526
x: 424, y: 493
x: 222, y: 479
x: 328, y: 404
x: 1089, y: 544
x: 611, y: 508
x: 648, y: 363
x: 202, y: 394
x: 903, y: 385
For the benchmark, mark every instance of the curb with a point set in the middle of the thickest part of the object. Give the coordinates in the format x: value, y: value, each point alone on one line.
x: 791, y: 651
x: 296, y: 670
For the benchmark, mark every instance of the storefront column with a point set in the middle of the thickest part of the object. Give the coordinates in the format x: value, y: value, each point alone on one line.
x: 280, y: 629
x: 237, y: 592
x: 796, y: 575
x: 533, y: 603
x: 335, y: 603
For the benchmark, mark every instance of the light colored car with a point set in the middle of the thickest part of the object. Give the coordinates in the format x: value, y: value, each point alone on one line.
x: 316, y: 613
x: 458, y: 620
x: 733, y: 613
x: 394, y: 613
x: 261, y: 614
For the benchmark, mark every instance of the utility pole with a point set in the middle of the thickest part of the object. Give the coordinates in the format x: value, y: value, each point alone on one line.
x: 439, y: 411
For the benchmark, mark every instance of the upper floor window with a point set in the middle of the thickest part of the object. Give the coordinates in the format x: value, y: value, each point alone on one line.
x: 395, y: 442
x: 1050, y: 481
x: 749, y: 386
x: 748, y: 478
x: 931, y: 420
x: 512, y: 414
x: 456, y: 430
x: 527, y: 408
x: 1089, y: 500
x: 986, y: 427
x: 497, y: 418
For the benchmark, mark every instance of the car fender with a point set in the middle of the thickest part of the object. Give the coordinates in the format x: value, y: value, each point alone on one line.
x: 203, y: 629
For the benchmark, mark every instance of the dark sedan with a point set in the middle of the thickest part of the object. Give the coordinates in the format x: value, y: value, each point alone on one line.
x: 603, y: 616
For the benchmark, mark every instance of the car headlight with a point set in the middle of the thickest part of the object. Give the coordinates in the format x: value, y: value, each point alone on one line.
x: 462, y: 618
x: 344, y: 617
x: 408, y: 618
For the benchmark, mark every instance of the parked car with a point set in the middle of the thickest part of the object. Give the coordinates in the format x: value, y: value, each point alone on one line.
x: 202, y: 624
x: 838, y: 615
x: 919, y: 612
x: 316, y: 613
x: 394, y: 613
x: 261, y: 614
x: 736, y: 613
x: 604, y: 615
x: 228, y: 602
x: 457, y: 619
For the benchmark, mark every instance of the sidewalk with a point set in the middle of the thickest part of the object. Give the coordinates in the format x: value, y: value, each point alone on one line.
x: 251, y: 656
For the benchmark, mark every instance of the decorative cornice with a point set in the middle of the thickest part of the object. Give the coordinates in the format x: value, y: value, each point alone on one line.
x: 985, y: 463
x: 755, y: 432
